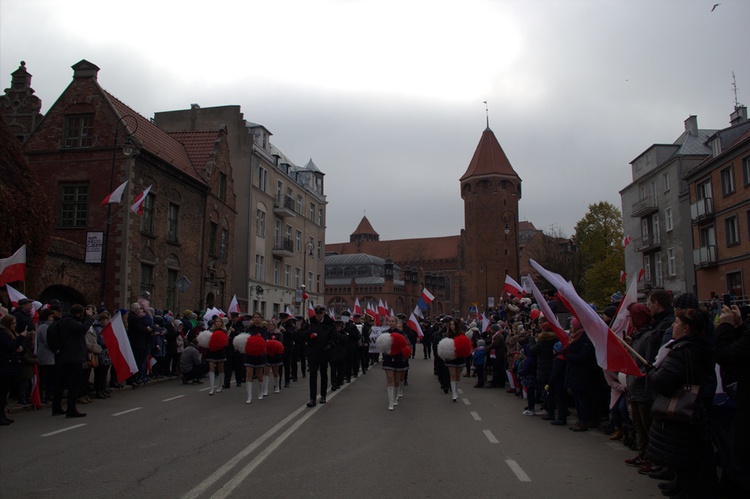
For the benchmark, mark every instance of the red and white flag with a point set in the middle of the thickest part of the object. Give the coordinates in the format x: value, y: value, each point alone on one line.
x: 233, y: 305
x: 425, y: 299
x: 116, y: 195
x: 414, y: 325
x: 288, y: 312
x: 485, y: 322
x: 548, y: 314
x: 626, y: 240
x: 511, y: 287
x: 137, y: 207
x: 374, y: 313
x: 381, y: 308
x: 36, y: 398
x: 620, y: 324
x: 310, y: 310
x: 14, y: 295
x: 13, y: 268
x: 610, y: 354
x: 623, y: 277
x: 357, y: 307
x: 116, y: 338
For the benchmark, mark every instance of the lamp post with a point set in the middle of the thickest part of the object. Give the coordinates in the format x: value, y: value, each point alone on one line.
x: 127, y: 149
x: 309, y: 252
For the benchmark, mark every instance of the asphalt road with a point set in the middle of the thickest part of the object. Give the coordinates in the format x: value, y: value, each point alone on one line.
x: 173, y: 440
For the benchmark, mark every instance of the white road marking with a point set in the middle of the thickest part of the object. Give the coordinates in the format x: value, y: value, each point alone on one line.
x: 173, y: 398
x: 475, y: 415
x: 125, y: 412
x: 491, y: 437
x: 466, y: 401
x: 64, y: 429
x: 515, y: 468
x: 205, y: 389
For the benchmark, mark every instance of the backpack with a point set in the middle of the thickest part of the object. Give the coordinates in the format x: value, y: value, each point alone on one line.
x: 54, y: 338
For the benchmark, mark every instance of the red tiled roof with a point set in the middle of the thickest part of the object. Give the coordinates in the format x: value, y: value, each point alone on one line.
x: 403, y: 250
x: 489, y: 158
x: 155, y: 140
x: 199, y: 145
x: 364, y: 227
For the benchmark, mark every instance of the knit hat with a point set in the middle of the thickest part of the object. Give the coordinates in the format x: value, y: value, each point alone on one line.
x: 616, y: 297
x: 480, y: 343
x: 495, y: 327
x: 686, y: 300
x: 640, y: 315
x: 610, y: 311
x: 557, y: 347
x: 575, y: 324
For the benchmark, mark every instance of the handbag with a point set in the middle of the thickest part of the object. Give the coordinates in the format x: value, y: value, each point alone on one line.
x: 684, y: 406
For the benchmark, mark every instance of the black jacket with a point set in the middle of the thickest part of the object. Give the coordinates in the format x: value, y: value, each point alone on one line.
x: 72, y: 331
x: 318, y: 338
x: 11, y: 362
x: 138, y: 335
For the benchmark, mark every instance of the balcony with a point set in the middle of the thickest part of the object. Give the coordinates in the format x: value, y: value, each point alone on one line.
x: 647, y: 244
x: 284, y: 248
x: 644, y: 207
x: 283, y: 206
x: 704, y: 256
x: 702, y: 210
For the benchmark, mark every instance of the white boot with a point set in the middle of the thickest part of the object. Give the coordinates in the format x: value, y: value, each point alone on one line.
x: 249, y: 389
x: 265, y: 386
x: 260, y: 389
x: 220, y: 385
x: 211, y: 378
x: 390, y: 398
x: 394, y: 395
x: 400, y: 391
x: 276, y: 385
x: 454, y: 390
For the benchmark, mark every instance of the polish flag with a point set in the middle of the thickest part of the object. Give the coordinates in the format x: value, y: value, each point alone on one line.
x: 357, y: 307
x: 425, y: 299
x: 512, y: 287
x: 381, y: 308
x: 288, y: 312
x: 331, y: 314
x: 310, y: 310
x: 116, y: 339
x: 485, y: 322
x: 233, y: 306
x: 621, y: 323
x: 548, y: 314
x: 116, y: 196
x: 414, y: 325
x: 13, y: 268
x: 610, y: 354
x: 626, y: 240
x: 150, y: 365
x: 36, y: 398
x: 14, y: 295
x: 623, y: 277
x: 137, y: 207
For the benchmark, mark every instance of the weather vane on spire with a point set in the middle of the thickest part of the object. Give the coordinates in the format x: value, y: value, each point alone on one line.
x: 487, y: 113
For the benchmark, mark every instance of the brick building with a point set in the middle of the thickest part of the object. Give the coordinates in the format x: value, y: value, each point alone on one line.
x: 87, y: 144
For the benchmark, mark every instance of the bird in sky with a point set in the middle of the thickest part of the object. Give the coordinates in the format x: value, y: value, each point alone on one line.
x: 714, y: 7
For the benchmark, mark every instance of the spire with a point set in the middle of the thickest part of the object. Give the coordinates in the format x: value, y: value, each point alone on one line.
x: 487, y: 114
x: 489, y: 158
x: 364, y: 232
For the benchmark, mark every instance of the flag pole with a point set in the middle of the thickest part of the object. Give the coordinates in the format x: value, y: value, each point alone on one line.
x: 630, y: 349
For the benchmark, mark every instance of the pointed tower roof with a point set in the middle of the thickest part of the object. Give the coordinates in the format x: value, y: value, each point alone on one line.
x: 489, y: 159
x: 364, y: 232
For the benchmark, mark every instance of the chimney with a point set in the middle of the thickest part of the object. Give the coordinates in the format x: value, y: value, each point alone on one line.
x: 84, y: 69
x: 738, y: 116
x: 691, y: 125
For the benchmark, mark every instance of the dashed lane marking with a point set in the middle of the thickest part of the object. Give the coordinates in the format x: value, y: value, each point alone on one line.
x: 173, y: 398
x: 475, y: 415
x: 491, y: 437
x: 515, y: 468
x: 466, y: 401
x: 63, y: 430
x: 129, y: 410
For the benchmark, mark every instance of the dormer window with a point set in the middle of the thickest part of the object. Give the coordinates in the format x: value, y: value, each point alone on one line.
x: 79, y: 130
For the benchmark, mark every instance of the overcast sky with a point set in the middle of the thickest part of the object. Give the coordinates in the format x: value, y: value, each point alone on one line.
x: 387, y: 96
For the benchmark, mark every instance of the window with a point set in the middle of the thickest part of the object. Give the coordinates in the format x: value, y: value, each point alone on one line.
x: 658, y: 279
x: 213, y: 232
x: 668, y: 219
x: 734, y: 283
x: 732, y: 229
x: 298, y: 241
x: 746, y: 171
x: 288, y: 276
x: 671, y: 262
x: 223, y: 245
x: 644, y: 230
x: 665, y: 178
x: 259, y: 267
x: 147, y: 219
x: 277, y: 233
x: 646, y: 267
x: 312, y: 211
x: 262, y: 179
x: 320, y: 250
x: 173, y: 217
x: 147, y: 278
x: 703, y: 190
x: 279, y: 190
x: 317, y: 284
x: 297, y: 277
x: 310, y: 247
x: 309, y: 280
x: 74, y: 201
x: 79, y: 130
x: 171, y: 280
x: 320, y: 216
x: 222, y: 186
x: 260, y: 223
x: 727, y: 181
x: 300, y: 205
x: 276, y: 271
x: 655, y: 227
x: 707, y: 236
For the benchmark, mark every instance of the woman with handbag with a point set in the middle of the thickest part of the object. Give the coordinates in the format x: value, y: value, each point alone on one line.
x: 679, y: 436
x: 11, y: 360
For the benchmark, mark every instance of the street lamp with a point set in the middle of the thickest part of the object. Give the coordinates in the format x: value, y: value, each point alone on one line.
x: 309, y: 247
x: 128, y: 147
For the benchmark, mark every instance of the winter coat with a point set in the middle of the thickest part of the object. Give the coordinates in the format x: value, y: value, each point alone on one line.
x: 23, y: 320
x: 11, y: 361
x: 557, y: 374
x: 72, y: 331
x: 138, y: 335
x: 672, y: 443
x: 45, y: 355
x: 647, y: 342
x: 190, y: 358
x: 498, y: 344
x: 480, y: 356
x: 318, y: 338
x: 543, y: 351
x: 582, y: 365
x: 338, y: 350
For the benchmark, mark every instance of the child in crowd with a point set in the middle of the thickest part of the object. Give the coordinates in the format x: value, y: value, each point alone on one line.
x: 479, y: 359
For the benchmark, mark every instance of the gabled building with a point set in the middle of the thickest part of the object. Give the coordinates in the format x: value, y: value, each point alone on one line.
x: 281, y: 211
x: 656, y: 211
x: 719, y: 196
x: 87, y: 144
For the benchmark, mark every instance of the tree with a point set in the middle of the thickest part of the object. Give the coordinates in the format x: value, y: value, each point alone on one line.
x: 598, y: 236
